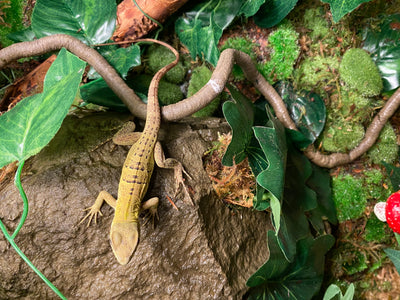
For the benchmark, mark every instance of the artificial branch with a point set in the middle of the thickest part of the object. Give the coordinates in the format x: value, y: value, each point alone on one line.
x: 213, y: 88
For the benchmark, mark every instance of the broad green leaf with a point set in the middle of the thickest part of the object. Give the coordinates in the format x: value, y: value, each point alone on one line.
x: 250, y: 7
x: 122, y: 59
x: 394, y: 256
x: 93, y: 22
x: 383, y: 43
x: 306, y: 109
x: 273, y: 11
x: 301, y: 279
x: 32, y: 123
x: 341, y: 7
x: 201, y: 28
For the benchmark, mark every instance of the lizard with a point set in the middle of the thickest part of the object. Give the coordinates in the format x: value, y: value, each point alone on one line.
x: 136, y: 173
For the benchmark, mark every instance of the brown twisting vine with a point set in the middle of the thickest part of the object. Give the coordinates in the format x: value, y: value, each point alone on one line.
x: 213, y: 88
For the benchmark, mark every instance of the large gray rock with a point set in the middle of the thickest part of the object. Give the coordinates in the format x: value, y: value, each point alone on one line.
x: 205, y: 251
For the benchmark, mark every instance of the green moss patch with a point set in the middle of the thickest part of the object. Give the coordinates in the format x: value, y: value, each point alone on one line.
x: 349, y: 197
x: 359, y: 72
x: 159, y: 56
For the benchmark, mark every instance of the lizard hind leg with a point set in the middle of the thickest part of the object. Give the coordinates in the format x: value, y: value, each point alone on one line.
x: 124, y: 239
x: 171, y: 163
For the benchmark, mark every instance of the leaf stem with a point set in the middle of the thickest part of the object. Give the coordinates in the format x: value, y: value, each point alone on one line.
x: 10, y: 239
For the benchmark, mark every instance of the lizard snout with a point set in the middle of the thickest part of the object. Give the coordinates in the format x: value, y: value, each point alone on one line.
x: 124, y: 239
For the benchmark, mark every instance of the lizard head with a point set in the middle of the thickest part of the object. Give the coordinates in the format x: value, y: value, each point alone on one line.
x: 124, y: 239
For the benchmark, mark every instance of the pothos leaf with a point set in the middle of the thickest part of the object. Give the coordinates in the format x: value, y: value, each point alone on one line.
x: 341, y: 7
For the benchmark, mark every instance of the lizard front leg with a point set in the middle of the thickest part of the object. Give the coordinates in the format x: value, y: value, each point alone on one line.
x: 171, y: 163
x: 94, y: 210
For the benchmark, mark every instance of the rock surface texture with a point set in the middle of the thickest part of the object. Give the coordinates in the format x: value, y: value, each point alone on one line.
x: 205, y: 251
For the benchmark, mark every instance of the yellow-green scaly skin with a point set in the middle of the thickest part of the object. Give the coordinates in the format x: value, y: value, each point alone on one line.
x: 135, y: 178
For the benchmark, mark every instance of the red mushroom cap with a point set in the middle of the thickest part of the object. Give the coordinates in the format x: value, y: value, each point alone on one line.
x: 392, y: 211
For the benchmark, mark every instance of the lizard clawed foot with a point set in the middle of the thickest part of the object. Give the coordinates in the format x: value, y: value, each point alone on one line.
x: 91, y: 215
x: 180, y: 183
x: 151, y: 206
x: 151, y: 214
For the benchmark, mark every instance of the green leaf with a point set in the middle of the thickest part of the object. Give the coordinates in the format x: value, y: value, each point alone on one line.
x: 297, y: 199
x: 122, y: 59
x: 24, y: 35
x: 273, y: 11
x: 91, y: 21
x: 332, y: 291
x: 201, y: 28
x: 383, y: 43
x: 276, y: 213
x: 394, y: 175
x: 306, y: 109
x: 397, y: 236
x: 273, y: 144
x: 98, y: 92
x: 394, y: 256
x: 341, y: 7
x: 250, y: 7
x: 33, y: 122
x: 272, y: 177
x: 349, y: 293
x: 239, y: 113
x: 319, y: 182
x: 301, y: 279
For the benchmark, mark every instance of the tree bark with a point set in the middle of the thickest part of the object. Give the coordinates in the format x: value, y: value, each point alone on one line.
x: 133, y: 24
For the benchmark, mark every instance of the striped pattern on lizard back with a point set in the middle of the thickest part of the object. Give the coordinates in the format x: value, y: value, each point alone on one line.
x: 135, y: 178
